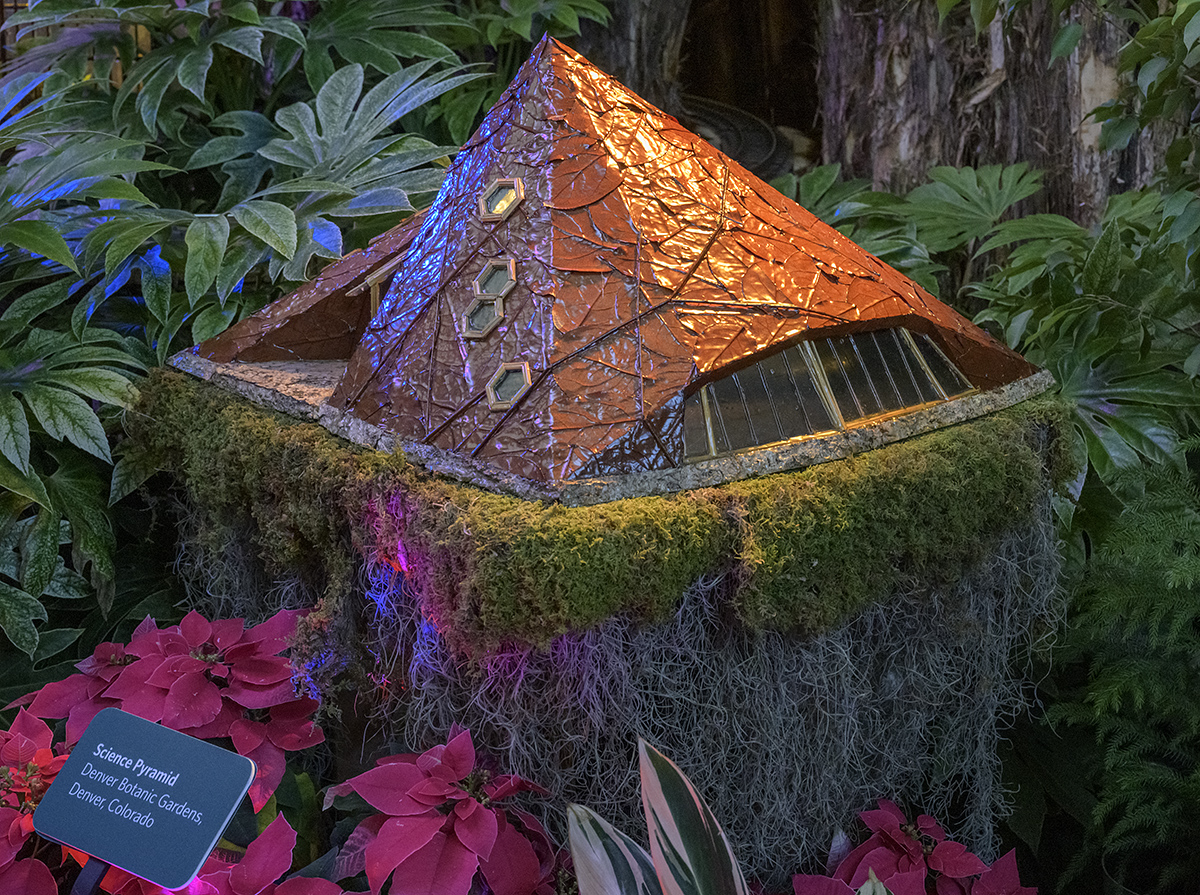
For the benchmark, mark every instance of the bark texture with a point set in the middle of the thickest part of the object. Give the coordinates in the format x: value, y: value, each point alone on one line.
x: 641, y: 48
x: 899, y: 95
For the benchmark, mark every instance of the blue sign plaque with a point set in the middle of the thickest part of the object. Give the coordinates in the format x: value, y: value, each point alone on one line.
x: 144, y: 798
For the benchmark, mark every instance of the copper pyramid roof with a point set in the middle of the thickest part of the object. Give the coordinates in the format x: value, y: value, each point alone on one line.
x: 646, y: 263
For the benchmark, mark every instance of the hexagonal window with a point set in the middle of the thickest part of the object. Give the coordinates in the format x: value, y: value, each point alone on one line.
x: 497, y: 278
x: 483, y: 316
x: 500, y: 199
x: 508, y: 385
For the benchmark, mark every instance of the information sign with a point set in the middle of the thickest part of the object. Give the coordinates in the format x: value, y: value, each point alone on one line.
x: 144, y: 798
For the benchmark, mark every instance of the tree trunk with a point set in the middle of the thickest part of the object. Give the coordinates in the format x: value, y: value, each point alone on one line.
x: 899, y: 95
x: 641, y: 47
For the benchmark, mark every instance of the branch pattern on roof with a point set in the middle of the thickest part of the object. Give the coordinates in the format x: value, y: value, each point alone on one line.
x: 646, y: 263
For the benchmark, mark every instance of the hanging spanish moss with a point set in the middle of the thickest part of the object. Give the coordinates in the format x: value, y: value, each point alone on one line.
x: 786, y: 738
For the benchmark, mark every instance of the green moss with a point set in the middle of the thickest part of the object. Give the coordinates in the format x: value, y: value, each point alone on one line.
x: 803, y: 549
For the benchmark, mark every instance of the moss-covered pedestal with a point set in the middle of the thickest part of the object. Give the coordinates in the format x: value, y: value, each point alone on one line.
x: 800, y: 643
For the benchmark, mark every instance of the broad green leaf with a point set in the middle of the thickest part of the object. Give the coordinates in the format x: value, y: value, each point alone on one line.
x: 271, y: 222
x: 28, y: 306
x: 18, y: 612
x: 983, y: 12
x: 193, y: 71
x: 27, y: 485
x: 212, y: 321
x: 691, y: 854
x: 101, y: 385
x: 944, y: 7
x: 1187, y: 223
x: 1149, y: 73
x: 206, y: 239
x: 128, y: 475
x: 1065, y: 41
x: 156, y: 283
x: 239, y: 260
x: 67, y: 584
x: 1103, y: 262
x: 66, y: 416
x: 606, y: 861
x: 1191, y: 31
x: 39, y: 552
x: 38, y: 238
x: 246, y: 41
x: 14, y: 432
x: 337, y: 99
x: 82, y: 496
x: 53, y: 641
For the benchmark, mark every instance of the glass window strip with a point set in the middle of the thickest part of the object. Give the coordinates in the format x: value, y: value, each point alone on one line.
x: 818, y: 369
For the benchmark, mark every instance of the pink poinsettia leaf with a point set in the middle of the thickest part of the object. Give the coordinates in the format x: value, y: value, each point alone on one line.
x: 399, y: 839
x: 476, y: 827
x: 336, y: 791
x: 146, y: 628
x: 432, y: 791
x: 458, y: 759
x: 307, y: 886
x: 147, y: 702
x: 385, y: 787
x: 1002, y: 878
x: 193, y: 700
x: 931, y: 828
x: 431, y: 758
x: 56, y: 699
x: 846, y: 869
x: 172, y: 643
x: 81, y: 716
x: 226, y: 632
x: 272, y: 635
x: 803, y: 884
x: 219, y: 726
x: 269, y: 765
x: 262, y: 670
x: 255, y: 697
x: 132, y: 678
x: 911, y: 882
x: 9, y: 845
x: 887, y: 817
x: 953, y: 859
x: 513, y: 868
x: 172, y: 668
x: 884, y: 861
x: 195, y: 629
x: 351, y: 858
x: 944, y: 885
x: 267, y: 858
x: 291, y: 726
x: 506, y: 785
x: 247, y: 735
x: 533, y: 831
x: 28, y: 877
x: 443, y: 867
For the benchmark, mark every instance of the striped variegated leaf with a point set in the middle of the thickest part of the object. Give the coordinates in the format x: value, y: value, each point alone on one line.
x: 607, y: 862
x: 690, y: 852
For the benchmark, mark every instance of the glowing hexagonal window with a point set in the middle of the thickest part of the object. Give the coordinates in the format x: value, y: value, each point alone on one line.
x: 497, y: 278
x: 483, y: 316
x: 500, y: 199
x: 508, y: 385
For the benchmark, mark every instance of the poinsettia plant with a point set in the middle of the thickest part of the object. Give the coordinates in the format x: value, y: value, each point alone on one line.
x: 441, y: 826
x: 913, y: 859
x: 211, y: 680
x: 28, y: 765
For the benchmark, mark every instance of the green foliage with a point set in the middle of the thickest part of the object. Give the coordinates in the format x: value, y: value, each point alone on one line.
x: 806, y: 548
x: 1136, y: 628
x: 178, y: 167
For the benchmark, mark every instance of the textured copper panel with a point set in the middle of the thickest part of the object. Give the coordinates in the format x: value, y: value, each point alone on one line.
x: 647, y: 262
x: 321, y: 320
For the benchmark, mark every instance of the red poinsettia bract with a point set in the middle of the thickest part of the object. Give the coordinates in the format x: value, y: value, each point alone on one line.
x: 441, y: 824
x: 207, y: 679
x: 28, y: 765
x: 914, y: 859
